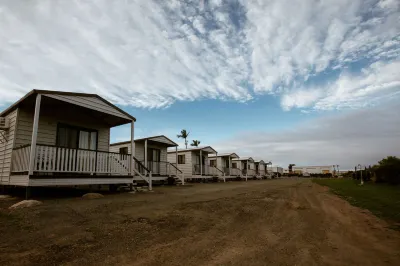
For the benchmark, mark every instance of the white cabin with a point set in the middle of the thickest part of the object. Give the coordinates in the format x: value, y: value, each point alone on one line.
x: 152, y: 153
x: 246, y: 167
x: 260, y: 168
x: 52, y: 138
x: 193, y: 162
x: 223, y: 163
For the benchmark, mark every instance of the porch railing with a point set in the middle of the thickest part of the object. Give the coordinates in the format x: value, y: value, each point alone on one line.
x: 66, y: 160
x: 201, y: 169
x: 215, y: 171
x: 235, y: 172
x: 251, y: 172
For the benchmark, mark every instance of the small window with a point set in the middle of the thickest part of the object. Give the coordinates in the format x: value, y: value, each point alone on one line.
x: 234, y: 165
x: 123, y: 150
x: 181, y: 159
x: 213, y: 163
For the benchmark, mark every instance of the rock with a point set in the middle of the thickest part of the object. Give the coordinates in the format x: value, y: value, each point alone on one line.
x: 92, y: 196
x: 4, y: 197
x: 26, y: 204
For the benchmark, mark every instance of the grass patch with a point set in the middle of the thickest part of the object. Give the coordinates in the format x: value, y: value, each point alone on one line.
x: 381, y: 199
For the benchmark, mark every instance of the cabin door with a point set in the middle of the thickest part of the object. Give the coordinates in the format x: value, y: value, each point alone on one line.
x: 153, y: 160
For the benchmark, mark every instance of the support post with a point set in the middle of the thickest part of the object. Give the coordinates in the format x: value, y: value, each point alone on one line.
x: 34, y: 135
x: 201, y: 163
x: 230, y: 166
x: 133, y: 148
x: 145, y: 153
x: 176, y: 160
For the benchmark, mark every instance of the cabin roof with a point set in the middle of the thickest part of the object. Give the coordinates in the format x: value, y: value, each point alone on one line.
x: 259, y: 161
x: 160, y: 139
x: 244, y: 159
x: 232, y: 155
x: 208, y: 149
x: 81, y: 99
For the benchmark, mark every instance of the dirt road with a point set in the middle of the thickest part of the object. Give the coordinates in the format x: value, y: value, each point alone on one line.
x: 267, y: 222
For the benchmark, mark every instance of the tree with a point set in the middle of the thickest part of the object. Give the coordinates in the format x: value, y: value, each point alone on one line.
x: 290, y: 167
x: 195, y: 143
x: 184, y: 135
x: 388, y: 170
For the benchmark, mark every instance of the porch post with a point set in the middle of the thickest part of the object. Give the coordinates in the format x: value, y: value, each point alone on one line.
x: 176, y: 160
x: 201, y: 162
x: 145, y: 153
x: 230, y: 164
x: 133, y: 147
x: 34, y: 134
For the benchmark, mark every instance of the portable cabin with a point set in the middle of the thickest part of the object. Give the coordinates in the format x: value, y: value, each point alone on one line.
x: 152, y: 153
x: 53, y: 138
x: 223, y: 163
x: 246, y: 166
x: 259, y: 166
x: 193, y: 162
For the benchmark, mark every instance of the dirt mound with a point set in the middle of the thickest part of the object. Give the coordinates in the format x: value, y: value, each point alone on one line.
x: 92, y: 196
x: 25, y: 204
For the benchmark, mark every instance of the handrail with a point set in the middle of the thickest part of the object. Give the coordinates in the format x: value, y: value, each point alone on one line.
x: 219, y: 169
x: 176, y: 168
x: 140, y: 164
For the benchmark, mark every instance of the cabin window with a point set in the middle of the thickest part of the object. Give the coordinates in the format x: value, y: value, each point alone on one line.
x: 181, y: 159
x: 234, y: 165
x: 74, y: 137
x: 123, y: 150
x: 213, y: 163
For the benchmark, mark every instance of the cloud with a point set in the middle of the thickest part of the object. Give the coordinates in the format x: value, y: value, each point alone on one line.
x: 348, y: 138
x: 378, y: 81
x: 153, y: 53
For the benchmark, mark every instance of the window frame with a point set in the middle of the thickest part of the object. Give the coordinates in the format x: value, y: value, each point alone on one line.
x: 78, y: 129
x: 181, y: 156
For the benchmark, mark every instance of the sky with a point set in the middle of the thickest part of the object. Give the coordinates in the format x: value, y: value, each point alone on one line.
x: 289, y: 81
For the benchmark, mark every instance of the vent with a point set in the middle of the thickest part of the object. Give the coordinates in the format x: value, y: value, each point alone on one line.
x: 4, y: 123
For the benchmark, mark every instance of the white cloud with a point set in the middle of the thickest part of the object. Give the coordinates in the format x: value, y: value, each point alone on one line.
x: 153, y: 53
x: 347, y: 139
x: 379, y: 80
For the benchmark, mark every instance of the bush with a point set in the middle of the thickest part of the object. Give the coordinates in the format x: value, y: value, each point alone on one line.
x: 388, y: 170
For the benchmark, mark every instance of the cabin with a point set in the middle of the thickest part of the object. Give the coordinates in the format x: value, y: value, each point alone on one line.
x: 246, y: 167
x: 54, y: 138
x: 194, y: 162
x: 152, y: 153
x: 260, y: 167
x: 223, y: 163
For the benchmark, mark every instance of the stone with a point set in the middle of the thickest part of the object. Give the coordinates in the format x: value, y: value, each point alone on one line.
x: 92, y: 196
x: 26, y: 204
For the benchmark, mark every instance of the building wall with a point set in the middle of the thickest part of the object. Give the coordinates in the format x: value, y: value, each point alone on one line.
x: 139, y: 153
x: 7, y: 143
x: 312, y: 169
x: 48, y: 121
x: 185, y: 168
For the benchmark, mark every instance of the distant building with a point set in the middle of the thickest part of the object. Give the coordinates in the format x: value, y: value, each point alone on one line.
x: 313, y: 169
x: 275, y: 169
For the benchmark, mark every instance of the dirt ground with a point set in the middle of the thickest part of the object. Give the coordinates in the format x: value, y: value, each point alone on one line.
x: 266, y: 222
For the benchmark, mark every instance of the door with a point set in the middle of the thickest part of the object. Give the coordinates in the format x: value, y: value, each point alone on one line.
x: 153, y: 160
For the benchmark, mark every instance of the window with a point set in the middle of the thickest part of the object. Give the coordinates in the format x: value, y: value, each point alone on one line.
x: 123, y: 150
x: 248, y: 166
x: 234, y: 165
x: 74, y: 137
x: 213, y: 163
x: 181, y: 159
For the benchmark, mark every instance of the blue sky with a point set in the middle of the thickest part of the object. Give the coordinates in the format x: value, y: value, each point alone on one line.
x: 279, y: 80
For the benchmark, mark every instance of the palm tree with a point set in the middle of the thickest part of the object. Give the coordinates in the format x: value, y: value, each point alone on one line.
x: 290, y: 167
x: 184, y: 135
x: 195, y: 143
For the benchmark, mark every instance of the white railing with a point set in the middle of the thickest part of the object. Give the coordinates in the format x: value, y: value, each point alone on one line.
x: 236, y: 172
x: 251, y: 172
x: 215, y: 171
x: 65, y: 160
x: 203, y: 169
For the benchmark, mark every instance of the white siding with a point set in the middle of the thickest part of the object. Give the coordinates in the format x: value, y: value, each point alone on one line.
x: 185, y: 168
x: 6, y: 146
x: 48, y: 121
